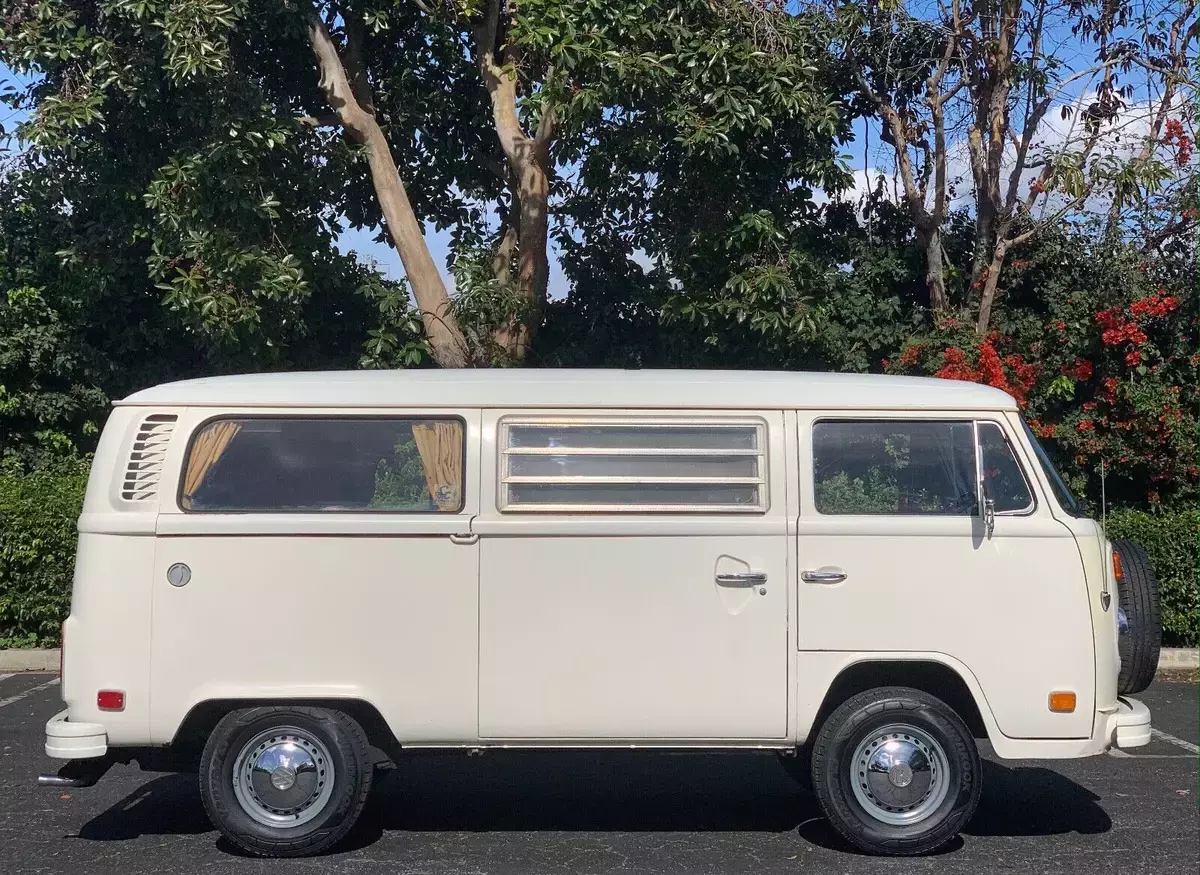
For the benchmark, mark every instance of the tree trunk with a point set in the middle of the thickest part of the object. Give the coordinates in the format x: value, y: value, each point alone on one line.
x: 533, y: 264
x: 935, y: 276
x: 988, y: 297
x: 984, y: 233
x: 446, y: 341
x: 528, y: 160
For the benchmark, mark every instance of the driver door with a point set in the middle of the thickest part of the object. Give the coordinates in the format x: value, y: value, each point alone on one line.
x: 895, y: 558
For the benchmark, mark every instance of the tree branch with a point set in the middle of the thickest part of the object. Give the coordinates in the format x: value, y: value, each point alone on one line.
x: 352, y: 60
x: 327, y: 120
x: 900, y: 146
x: 334, y: 83
x: 546, y: 124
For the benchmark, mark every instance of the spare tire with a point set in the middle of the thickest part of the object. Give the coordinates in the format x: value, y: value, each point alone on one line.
x: 1137, y: 596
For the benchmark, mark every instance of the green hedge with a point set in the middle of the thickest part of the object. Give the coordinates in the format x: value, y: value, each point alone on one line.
x: 38, y: 511
x: 1172, y: 540
x: 37, y: 552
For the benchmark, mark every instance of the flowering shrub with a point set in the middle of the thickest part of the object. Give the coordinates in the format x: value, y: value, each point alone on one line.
x: 1103, y: 365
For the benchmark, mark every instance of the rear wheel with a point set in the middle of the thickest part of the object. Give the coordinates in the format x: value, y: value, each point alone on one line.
x: 896, y: 771
x: 1141, y: 639
x: 285, y: 781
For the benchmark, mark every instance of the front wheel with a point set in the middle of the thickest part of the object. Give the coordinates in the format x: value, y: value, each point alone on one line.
x: 896, y: 771
x: 285, y: 781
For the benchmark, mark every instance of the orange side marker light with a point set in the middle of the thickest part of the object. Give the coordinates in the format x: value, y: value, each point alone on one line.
x: 1062, y: 702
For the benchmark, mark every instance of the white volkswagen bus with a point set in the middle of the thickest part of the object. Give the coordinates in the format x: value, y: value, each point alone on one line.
x: 281, y: 575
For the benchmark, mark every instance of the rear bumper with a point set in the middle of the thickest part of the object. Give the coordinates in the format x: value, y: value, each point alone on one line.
x: 67, y: 740
x: 1130, y: 726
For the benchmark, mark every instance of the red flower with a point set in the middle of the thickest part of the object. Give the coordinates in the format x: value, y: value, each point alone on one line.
x: 1133, y: 359
x: 1081, y: 370
x: 1089, y: 405
x: 910, y: 354
x: 1086, y: 425
x: 1153, y: 306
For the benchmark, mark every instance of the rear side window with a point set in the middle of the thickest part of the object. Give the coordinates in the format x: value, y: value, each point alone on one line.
x: 312, y: 464
x: 659, y: 466
x: 894, y: 467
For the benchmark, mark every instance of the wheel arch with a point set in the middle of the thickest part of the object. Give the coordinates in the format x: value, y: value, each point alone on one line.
x: 199, y: 722
x: 930, y: 673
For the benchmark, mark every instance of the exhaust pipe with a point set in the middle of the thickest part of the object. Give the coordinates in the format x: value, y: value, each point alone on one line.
x: 78, y: 773
x: 63, y: 781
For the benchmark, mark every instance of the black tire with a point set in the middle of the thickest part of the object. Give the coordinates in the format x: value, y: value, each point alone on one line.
x: 852, y: 724
x: 349, y: 753
x: 1137, y: 594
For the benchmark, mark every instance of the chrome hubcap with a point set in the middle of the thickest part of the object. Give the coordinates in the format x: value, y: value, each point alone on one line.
x: 899, y: 774
x: 283, y: 777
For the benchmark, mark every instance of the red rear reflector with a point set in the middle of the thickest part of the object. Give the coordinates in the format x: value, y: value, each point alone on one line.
x: 110, y: 700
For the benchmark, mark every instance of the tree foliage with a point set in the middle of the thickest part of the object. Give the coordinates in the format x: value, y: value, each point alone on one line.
x: 185, y: 169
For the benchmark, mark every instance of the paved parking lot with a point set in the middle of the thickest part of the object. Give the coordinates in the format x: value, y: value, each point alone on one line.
x: 611, y: 812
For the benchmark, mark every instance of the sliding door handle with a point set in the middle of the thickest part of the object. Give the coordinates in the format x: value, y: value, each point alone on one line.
x: 823, y: 575
x: 742, y: 578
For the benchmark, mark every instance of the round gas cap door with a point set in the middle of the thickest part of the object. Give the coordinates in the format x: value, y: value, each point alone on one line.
x: 179, y: 574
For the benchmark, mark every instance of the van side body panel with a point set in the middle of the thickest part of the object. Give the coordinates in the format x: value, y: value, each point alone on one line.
x: 107, y: 634
x: 381, y: 607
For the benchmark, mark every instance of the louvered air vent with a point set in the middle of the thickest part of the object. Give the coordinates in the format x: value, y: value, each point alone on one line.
x: 146, y: 457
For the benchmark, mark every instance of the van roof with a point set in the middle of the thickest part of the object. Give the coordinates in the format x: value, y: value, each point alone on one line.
x: 548, y: 388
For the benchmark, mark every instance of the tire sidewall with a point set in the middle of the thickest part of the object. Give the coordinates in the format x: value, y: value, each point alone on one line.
x: 1137, y: 595
x: 835, y: 783
x: 216, y: 779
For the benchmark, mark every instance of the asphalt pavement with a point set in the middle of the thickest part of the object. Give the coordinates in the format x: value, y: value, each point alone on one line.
x: 528, y: 813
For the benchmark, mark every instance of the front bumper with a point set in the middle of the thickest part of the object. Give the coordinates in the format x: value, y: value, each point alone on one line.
x: 67, y: 740
x: 1130, y: 725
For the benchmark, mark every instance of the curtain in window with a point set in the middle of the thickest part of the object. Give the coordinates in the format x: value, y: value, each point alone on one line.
x: 206, y: 451
x: 441, y: 449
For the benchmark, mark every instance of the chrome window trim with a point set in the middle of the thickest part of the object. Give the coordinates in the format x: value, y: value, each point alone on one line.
x: 1027, y: 510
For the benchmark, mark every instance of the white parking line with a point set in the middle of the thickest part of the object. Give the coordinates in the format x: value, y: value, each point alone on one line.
x: 1178, y: 742
x: 4, y: 677
x: 19, y: 696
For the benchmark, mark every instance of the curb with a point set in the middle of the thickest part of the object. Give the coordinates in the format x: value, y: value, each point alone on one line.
x: 29, y: 660
x: 1179, y: 657
x: 47, y: 660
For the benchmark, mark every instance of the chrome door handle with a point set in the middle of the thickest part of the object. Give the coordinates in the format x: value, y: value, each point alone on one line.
x: 742, y: 578
x: 823, y: 576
